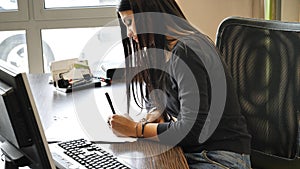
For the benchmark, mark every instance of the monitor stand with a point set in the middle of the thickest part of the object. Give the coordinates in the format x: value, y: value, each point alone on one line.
x: 13, y: 157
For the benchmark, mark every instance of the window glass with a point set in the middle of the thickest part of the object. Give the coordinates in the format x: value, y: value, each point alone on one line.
x: 78, y: 3
x: 8, y: 5
x: 97, y: 45
x: 13, y: 49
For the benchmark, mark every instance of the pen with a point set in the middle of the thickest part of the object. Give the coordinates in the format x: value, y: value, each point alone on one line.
x: 110, y: 103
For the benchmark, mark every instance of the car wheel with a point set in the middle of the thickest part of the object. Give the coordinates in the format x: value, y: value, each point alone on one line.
x: 12, y: 50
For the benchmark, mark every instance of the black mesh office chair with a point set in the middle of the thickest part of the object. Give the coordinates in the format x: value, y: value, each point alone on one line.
x: 264, y: 59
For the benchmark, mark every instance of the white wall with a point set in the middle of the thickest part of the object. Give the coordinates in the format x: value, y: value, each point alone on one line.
x: 290, y: 10
x: 206, y: 15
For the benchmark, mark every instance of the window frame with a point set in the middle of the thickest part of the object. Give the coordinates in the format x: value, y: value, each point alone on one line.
x: 35, y: 18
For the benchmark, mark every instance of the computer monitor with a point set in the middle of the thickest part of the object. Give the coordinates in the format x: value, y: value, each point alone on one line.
x: 21, y: 132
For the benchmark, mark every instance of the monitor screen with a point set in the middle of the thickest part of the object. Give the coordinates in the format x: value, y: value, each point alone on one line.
x: 21, y: 131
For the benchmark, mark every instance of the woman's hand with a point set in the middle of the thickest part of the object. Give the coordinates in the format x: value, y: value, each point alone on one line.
x: 122, y: 126
x: 155, y: 117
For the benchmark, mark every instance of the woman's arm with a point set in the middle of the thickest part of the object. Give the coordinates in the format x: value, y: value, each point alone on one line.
x: 122, y: 126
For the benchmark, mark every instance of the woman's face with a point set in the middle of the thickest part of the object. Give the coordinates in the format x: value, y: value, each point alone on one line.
x: 128, y: 20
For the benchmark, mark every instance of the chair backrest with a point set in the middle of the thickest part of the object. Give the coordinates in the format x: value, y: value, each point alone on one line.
x: 264, y: 60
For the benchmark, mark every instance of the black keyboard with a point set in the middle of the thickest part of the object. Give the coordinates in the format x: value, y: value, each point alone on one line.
x: 83, y: 154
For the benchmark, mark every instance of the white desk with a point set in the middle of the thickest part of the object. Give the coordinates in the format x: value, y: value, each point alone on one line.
x: 66, y: 110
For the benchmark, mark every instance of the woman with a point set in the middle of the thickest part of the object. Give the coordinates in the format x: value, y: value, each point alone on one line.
x: 184, y: 85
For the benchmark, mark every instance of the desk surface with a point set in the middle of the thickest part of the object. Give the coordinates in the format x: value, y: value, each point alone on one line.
x: 61, y: 109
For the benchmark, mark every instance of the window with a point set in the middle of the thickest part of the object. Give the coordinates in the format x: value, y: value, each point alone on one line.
x: 8, y: 5
x: 13, y: 48
x: 78, y: 3
x: 53, y: 30
x: 13, y: 10
x: 98, y: 45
